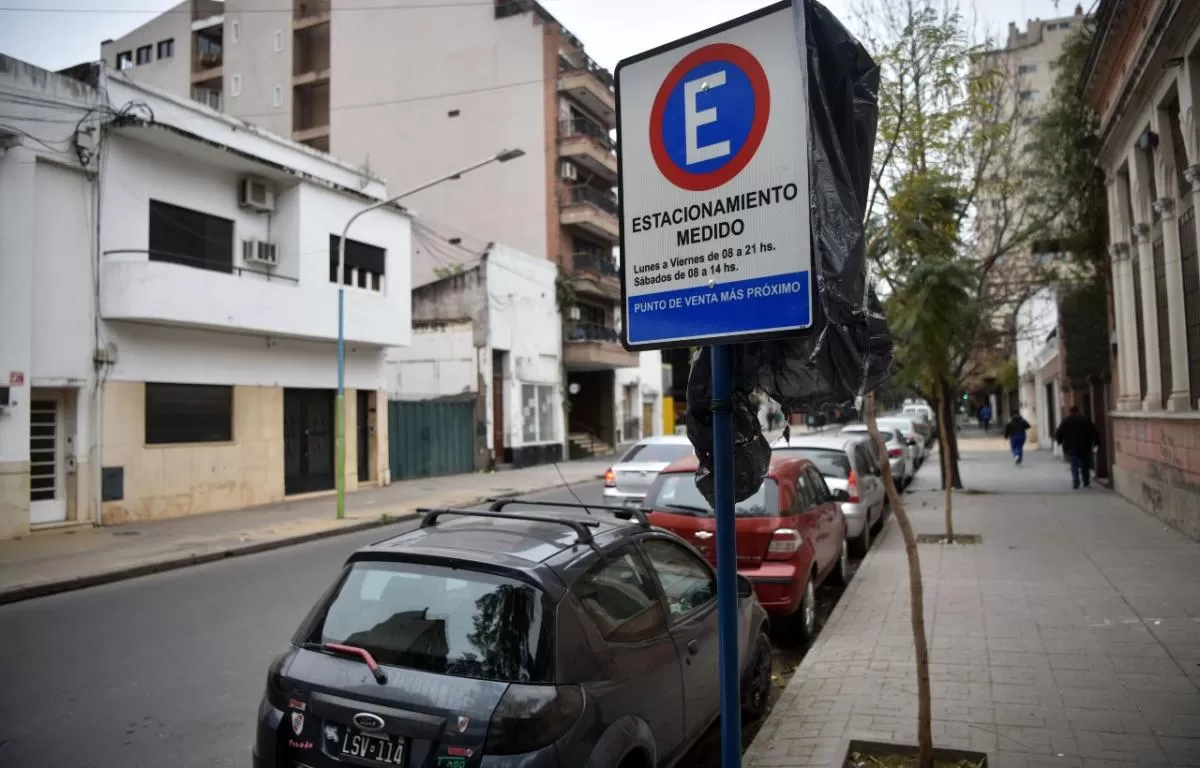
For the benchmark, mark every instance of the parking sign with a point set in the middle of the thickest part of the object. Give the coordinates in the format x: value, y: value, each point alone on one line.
x: 713, y: 159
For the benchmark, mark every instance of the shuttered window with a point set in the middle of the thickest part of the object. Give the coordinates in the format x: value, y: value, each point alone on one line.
x: 194, y: 239
x: 188, y: 413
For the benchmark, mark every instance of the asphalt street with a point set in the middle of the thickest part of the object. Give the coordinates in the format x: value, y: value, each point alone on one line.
x: 164, y: 670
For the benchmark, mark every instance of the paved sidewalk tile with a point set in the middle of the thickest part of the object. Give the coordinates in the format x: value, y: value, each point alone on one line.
x: 1069, y: 637
x: 57, y: 560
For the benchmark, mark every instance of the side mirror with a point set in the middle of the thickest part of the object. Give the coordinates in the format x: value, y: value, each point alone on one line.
x: 841, y: 495
x: 745, y: 587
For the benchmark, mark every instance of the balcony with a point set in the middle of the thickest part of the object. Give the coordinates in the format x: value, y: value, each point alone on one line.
x: 309, y: 13
x: 207, y: 59
x: 591, y: 347
x: 590, y: 84
x: 208, y: 97
x: 591, y: 210
x: 589, y: 146
x: 242, y: 300
x: 596, y: 274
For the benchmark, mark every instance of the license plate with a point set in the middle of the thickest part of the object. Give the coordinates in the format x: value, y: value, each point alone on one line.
x: 377, y: 749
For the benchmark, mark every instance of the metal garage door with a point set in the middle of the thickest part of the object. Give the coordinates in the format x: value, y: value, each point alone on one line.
x: 430, y: 437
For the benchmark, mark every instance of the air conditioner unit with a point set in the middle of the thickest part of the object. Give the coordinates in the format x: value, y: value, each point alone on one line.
x: 568, y: 172
x: 260, y: 252
x: 256, y: 194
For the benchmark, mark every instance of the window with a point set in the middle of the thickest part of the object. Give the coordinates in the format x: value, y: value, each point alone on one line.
x: 828, y: 461
x: 188, y: 413
x: 235, y: 85
x: 278, y: 41
x: 277, y: 96
x: 805, y: 497
x: 166, y: 48
x: 124, y: 60
x: 145, y: 54
x: 678, y: 491
x: 449, y: 621
x: 658, y: 452
x: 687, y: 581
x: 1026, y: 69
x: 364, y: 264
x: 1028, y: 95
x: 1053, y: 65
x: 194, y: 239
x: 620, y: 596
x: 537, y: 413
x: 235, y: 31
x: 820, y: 489
x: 1030, y: 120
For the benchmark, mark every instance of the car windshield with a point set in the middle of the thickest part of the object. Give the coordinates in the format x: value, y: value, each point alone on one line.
x: 657, y: 452
x: 677, y: 492
x: 830, y: 462
x: 444, y: 620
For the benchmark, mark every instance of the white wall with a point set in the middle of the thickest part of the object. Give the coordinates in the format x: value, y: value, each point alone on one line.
x: 1036, y: 318
x: 647, y: 377
x: 440, y: 361
x: 260, y: 66
x: 523, y: 320
x: 395, y: 60
x: 173, y: 74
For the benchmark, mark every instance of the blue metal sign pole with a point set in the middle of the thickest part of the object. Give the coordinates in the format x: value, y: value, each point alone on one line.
x: 727, y: 597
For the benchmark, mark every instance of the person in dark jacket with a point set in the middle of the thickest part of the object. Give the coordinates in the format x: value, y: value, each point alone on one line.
x: 1014, y: 432
x: 1078, y: 435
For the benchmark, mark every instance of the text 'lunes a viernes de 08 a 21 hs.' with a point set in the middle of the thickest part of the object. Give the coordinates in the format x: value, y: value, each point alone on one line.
x: 687, y: 267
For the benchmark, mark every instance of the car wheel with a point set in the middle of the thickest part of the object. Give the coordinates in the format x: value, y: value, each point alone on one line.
x: 860, y: 545
x: 802, y: 624
x: 756, y: 687
x: 841, y: 569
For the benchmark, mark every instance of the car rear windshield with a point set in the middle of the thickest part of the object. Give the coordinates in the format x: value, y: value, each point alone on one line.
x: 657, y: 452
x: 830, y: 462
x: 438, y: 619
x: 677, y: 492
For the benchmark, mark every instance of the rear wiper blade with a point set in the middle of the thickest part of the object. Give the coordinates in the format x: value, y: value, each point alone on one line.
x: 687, y: 508
x: 351, y: 650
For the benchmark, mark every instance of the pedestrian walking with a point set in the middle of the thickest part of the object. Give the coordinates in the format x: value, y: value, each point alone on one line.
x: 1014, y: 432
x: 985, y: 416
x: 1078, y: 436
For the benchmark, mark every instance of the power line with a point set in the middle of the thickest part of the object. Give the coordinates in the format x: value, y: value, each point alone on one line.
x: 188, y: 11
x: 408, y: 100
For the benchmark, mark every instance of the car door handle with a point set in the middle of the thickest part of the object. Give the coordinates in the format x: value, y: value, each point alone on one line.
x: 693, y: 647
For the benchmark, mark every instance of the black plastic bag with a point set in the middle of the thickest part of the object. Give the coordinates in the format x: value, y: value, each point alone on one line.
x: 848, y: 350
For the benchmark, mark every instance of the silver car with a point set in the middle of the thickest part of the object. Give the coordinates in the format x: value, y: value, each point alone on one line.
x: 901, y: 456
x: 627, y: 481
x: 847, y: 463
x: 913, y: 431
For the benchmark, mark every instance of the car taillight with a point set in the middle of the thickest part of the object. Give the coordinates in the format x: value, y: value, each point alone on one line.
x: 895, y: 453
x: 610, y: 478
x: 852, y: 488
x: 784, y: 543
x: 530, y: 717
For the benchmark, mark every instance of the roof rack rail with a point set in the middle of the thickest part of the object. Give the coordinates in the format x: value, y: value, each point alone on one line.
x: 431, y: 516
x: 624, y: 513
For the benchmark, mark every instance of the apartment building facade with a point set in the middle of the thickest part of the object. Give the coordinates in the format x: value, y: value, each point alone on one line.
x: 1143, y: 76
x: 169, y: 299
x: 342, y: 76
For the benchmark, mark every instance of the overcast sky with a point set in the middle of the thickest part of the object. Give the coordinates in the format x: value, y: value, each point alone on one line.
x: 54, y: 34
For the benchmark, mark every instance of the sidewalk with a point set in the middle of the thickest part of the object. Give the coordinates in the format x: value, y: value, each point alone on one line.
x: 1069, y: 637
x: 57, y: 561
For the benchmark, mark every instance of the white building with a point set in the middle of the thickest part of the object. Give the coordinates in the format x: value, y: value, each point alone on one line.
x: 487, y: 343
x: 1038, y: 364
x: 169, y: 307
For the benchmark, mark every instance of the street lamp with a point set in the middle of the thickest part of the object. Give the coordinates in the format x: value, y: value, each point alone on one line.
x: 340, y: 412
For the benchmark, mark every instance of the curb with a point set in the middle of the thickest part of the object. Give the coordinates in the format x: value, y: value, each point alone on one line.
x: 33, y: 591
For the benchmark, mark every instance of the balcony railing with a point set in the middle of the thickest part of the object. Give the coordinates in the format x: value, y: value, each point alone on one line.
x: 590, y: 196
x: 208, y: 60
x: 588, y: 65
x: 596, y: 263
x: 582, y: 127
x: 208, y: 97
x: 593, y: 332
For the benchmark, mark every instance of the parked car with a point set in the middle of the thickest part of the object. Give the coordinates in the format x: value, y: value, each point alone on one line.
x: 791, y: 534
x: 900, y: 455
x: 505, y: 639
x: 924, y: 413
x: 914, y: 431
x: 847, y: 463
x: 627, y: 481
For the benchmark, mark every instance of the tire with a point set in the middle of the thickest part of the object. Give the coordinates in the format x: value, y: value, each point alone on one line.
x: 756, y: 683
x: 802, y: 625
x: 840, y: 575
x: 860, y: 545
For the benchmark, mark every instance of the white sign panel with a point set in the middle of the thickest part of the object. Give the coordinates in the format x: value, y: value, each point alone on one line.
x: 714, y: 185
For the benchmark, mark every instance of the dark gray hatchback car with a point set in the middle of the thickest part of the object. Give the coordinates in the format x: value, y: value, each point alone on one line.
x: 498, y: 639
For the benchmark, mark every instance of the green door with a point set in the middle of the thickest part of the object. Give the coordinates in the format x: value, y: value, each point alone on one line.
x: 430, y: 437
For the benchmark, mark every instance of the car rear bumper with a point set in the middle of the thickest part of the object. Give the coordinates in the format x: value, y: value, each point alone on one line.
x: 617, y: 496
x: 899, y: 467
x: 856, y: 519
x: 777, y: 587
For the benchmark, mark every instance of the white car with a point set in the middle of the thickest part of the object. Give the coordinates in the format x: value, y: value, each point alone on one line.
x: 914, y: 432
x: 627, y: 481
x: 901, y: 456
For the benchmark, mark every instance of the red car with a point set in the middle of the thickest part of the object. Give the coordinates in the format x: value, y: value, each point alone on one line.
x: 791, y: 535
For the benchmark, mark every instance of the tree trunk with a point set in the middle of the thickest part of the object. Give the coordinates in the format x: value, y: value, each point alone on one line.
x: 947, y: 467
x: 943, y: 406
x: 916, y: 595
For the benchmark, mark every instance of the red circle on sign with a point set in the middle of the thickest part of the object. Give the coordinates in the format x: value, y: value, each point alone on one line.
x: 743, y: 60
